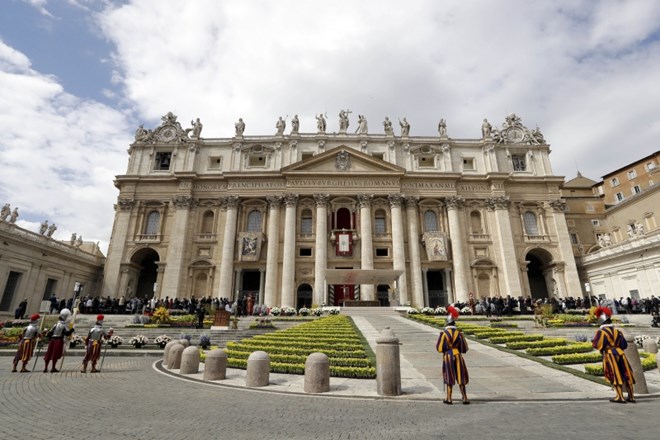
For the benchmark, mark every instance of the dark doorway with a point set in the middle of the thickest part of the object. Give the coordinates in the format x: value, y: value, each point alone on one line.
x: 304, y: 296
x: 343, y: 292
x: 537, y: 284
x: 343, y: 219
x: 250, y: 282
x: 382, y: 295
x: 436, y: 285
x: 147, y: 260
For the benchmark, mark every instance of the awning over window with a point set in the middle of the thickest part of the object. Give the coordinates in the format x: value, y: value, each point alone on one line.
x: 359, y: 276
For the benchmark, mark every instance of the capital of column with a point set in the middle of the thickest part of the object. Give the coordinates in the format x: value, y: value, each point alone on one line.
x: 321, y: 200
x: 274, y: 202
x: 396, y: 200
x: 455, y: 202
x: 501, y: 202
x: 558, y: 205
x: 125, y: 204
x: 290, y: 200
x: 411, y: 201
x: 184, y: 202
x: 229, y: 202
x: 364, y: 200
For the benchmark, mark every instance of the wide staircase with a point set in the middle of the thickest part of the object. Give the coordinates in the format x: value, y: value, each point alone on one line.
x: 369, y: 311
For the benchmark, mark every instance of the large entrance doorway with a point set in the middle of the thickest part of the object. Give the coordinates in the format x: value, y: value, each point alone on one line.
x: 383, y: 295
x: 437, y: 292
x: 146, y: 260
x: 539, y: 260
x: 250, y: 281
x: 304, y: 296
x: 344, y: 292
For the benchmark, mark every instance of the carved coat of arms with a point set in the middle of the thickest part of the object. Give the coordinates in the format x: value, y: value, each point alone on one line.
x: 343, y: 161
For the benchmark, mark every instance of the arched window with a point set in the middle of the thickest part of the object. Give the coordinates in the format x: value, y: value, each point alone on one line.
x: 430, y: 221
x: 254, y: 221
x: 531, y: 226
x: 153, y: 223
x: 475, y: 222
x: 207, y: 223
x: 380, y: 225
x: 306, y: 222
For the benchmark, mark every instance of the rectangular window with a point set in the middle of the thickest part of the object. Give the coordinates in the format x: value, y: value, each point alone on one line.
x: 382, y: 252
x: 614, y: 181
x: 10, y: 289
x: 304, y: 156
x: 468, y: 164
x: 595, y: 222
x: 570, y: 222
x: 636, y: 189
x: 305, y: 252
x: 619, y: 197
x: 632, y: 174
x: 51, y: 285
x: 163, y: 161
x: 426, y: 161
x: 590, y: 208
x: 574, y: 239
x: 257, y: 161
x: 306, y: 225
x: 215, y: 163
x: 650, y: 166
x: 379, y: 226
x: 519, y: 163
x: 380, y: 156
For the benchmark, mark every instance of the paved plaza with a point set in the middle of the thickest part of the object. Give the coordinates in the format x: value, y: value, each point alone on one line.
x: 134, y: 398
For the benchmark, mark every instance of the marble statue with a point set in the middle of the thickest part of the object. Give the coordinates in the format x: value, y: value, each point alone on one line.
x: 5, y: 212
x: 79, y: 241
x: 537, y: 136
x: 197, y: 128
x: 295, y: 124
x: 343, y: 120
x: 44, y: 227
x: 142, y: 134
x: 362, y: 125
x: 320, y: 123
x: 240, y: 127
x: 14, y: 216
x: 280, y: 125
x: 387, y: 125
x: 51, y: 230
x: 442, y: 128
x: 405, y: 127
x: 639, y: 229
x: 72, y: 241
x: 486, y: 129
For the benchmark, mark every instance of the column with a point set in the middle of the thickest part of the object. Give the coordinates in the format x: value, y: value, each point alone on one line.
x: 450, y: 292
x: 366, y: 243
x: 289, y: 262
x: 508, y: 259
x: 176, y: 248
x: 272, y: 251
x: 115, y: 251
x: 413, y: 249
x: 262, y: 279
x: 425, y: 280
x: 230, y: 204
x: 321, y: 248
x: 398, y: 250
x: 571, y: 278
x: 461, y: 268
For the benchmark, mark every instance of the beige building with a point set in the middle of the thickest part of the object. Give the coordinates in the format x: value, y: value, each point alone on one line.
x: 33, y: 266
x: 304, y: 218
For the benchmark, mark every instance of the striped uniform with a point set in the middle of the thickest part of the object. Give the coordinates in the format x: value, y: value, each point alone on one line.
x: 611, y: 343
x: 27, y: 344
x: 452, y: 345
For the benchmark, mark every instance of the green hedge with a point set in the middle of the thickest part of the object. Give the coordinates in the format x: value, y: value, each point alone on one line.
x: 521, y: 345
x: 514, y: 338
x: 299, y: 359
x: 648, y: 363
x: 577, y: 358
x: 335, y: 371
x: 580, y: 347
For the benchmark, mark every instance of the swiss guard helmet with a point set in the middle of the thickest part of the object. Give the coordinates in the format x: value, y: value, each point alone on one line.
x: 65, y: 314
x: 452, y: 314
x: 603, y: 314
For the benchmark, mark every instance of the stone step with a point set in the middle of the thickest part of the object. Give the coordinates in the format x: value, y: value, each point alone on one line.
x: 370, y: 311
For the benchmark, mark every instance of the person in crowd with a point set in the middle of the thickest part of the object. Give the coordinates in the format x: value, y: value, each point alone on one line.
x: 93, y: 343
x: 452, y: 344
x: 27, y: 343
x: 56, y: 337
x: 611, y: 343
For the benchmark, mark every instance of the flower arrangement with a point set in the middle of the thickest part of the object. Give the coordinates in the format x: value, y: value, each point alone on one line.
x: 275, y: 311
x: 138, y: 341
x: 412, y: 311
x: 75, y: 340
x: 262, y: 323
x: 334, y: 311
x: 289, y: 311
x: 428, y: 311
x: 185, y: 336
x: 161, y: 316
x: 440, y: 310
x: 639, y: 340
x: 205, y: 341
x: 466, y: 310
x: 317, y: 311
x: 115, y: 340
x: 304, y: 311
x: 162, y: 340
x: 581, y: 338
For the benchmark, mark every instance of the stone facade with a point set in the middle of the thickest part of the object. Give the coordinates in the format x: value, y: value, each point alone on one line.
x: 267, y: 215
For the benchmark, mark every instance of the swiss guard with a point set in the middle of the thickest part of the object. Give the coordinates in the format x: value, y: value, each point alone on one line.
x: 28, y: 342
x: 611, y: 343
x: 452, y: 345
x: 93, y: 344
x: 56, y: 337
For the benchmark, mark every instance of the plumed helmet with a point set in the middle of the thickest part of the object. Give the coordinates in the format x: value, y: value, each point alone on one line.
x: 603, y: 314
x: 65, y: 314
x: 35, y: 317
x: 100, y: 317
x: 452, y: 314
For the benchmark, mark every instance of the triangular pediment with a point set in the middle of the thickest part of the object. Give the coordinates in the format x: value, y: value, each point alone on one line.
x: 343, y: 160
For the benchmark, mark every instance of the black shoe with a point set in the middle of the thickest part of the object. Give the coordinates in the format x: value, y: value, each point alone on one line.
x: 448, y: 402
x: 617, y: 401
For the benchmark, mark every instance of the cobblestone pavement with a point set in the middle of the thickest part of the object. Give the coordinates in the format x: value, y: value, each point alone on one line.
x: 130, y: 400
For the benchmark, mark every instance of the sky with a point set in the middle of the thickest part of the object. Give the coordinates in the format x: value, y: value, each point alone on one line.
x: 77, y: 77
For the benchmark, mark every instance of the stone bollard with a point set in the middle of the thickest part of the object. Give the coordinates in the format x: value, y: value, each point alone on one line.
x: 190, y: 360
x: 166, y: 353
x: 388, y: 364
x: 258, y: 369
x: 650, y: 346
x: 215, y: 367
x: 174, y: 358
x: 636, y: 364
x: 317, y: 373
x: 184, y: 342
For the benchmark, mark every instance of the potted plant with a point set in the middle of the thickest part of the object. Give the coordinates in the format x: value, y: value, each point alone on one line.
x: 115, y: 341
x: 75, y: 340
x: 138, y: 341
x: 204, y: 341
x: 162, y: 340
